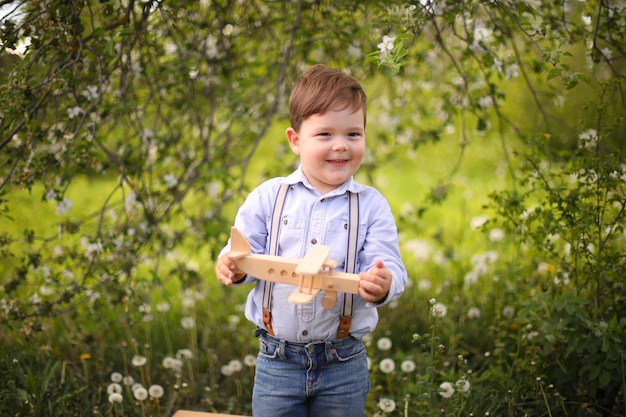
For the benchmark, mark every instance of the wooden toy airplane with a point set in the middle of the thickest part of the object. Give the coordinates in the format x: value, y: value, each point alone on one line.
x: 311, y: 274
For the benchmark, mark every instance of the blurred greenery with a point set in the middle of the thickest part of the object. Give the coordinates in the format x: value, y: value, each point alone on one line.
x: 131, y: 130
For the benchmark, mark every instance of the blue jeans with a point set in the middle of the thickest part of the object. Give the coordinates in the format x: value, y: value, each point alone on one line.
x: 325, y: 379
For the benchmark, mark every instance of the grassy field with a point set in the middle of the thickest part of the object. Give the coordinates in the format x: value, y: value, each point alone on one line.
x: 463, y: 338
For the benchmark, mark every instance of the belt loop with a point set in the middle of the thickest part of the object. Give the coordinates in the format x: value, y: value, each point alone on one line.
x: 281, y: 348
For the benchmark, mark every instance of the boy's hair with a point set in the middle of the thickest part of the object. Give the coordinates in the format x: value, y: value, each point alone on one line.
x: 320, y: 89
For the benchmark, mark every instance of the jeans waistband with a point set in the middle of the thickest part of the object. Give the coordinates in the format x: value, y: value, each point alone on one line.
x: 308, y: 346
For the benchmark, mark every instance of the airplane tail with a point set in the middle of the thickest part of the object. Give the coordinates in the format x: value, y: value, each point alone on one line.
x: 239, y: 246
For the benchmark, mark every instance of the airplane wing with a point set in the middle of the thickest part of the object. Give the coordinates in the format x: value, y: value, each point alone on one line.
x: 313, y: 261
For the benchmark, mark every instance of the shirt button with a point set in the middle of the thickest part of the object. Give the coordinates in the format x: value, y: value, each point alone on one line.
x: 314, y: 241
x: 345, y: 226
x: 322, y: 200
x: 305, y: 333
x: 285, y: 221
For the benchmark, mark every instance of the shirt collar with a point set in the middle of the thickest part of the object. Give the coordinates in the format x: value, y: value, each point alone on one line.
x: 298, y: 177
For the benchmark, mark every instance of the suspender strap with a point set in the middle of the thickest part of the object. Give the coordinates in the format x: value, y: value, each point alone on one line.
x: 268, y: 287
x: 351, y: 257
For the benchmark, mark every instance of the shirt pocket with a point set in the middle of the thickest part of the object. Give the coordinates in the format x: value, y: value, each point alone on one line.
x: 292, y: 234
x: 337, y: 237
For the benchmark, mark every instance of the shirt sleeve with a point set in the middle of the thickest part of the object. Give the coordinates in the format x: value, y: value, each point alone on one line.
x: 251, y: 220
x: 381, y: 243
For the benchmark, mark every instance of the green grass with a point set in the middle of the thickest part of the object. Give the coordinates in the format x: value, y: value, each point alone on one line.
x: 67, y: 367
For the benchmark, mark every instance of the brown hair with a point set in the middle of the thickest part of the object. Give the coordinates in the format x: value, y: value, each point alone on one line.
x: 321, y: 88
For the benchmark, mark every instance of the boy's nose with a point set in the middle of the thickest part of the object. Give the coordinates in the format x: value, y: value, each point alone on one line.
x: 340, y: 144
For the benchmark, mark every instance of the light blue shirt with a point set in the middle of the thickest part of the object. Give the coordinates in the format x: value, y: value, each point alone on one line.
x: 310, y: 218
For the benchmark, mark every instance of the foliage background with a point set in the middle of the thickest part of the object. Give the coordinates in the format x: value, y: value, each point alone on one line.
x: 130, y: 131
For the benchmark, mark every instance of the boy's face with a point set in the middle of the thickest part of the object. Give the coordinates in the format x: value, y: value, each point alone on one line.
x: 331, y: 147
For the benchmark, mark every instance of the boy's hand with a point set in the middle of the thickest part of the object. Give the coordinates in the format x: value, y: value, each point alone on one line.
x: 225, y: 271
x: 375, y: 283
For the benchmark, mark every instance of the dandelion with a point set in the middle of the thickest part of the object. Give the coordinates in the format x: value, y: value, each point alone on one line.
x: 134, y: 387
x: 387, y: 366
x: 187, y: 323
x: 424, y: 285
x: 235, y: 365
x: 116, y: 377
x: 139, y: 360
x: 438, y: 310
x: 156, y: 391
x: 463, y: 385
x: 508, y: 312
x: 226, y: 370
x: 163, y: 307
x: 184, y: 353
x: 384, y: 343
x: 114, y: 388
x: 407, y: 366
x: 172, y: 363
x: 473, y: 313
x: 446, y: 390
x: 115, y: 398
x: 140, y: 394
x: 387, y: 405
x: 128, y: 380
x: 249, y: 360
x: 470, y: 278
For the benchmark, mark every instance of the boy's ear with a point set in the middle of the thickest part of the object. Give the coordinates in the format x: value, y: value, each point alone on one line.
x: 293, y: 139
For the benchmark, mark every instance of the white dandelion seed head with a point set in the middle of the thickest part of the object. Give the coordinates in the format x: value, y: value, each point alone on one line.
x: 446, y: 389
x: 156, y: 391
x: 187, y: 323
x: 407, y: 366
x: 384, y: 343
x: 439, y: 310
x: 462, y: 385
x: 115, y: 398
x: 249, y: 360
x: 387, y: 365
x: 140, y: 394
x: 184, y: 354
x: 387, y: 405
x: 235, y: 365
x: 116, y: 377
x: 113, y: 388
x: 139, y: 360
x: 473, y: 313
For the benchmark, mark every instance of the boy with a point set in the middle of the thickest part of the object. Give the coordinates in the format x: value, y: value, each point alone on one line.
x: 311, y: 360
